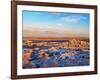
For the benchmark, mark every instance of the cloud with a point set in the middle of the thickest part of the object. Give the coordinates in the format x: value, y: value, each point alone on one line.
x: 73, y: 18
x: 59, y: 24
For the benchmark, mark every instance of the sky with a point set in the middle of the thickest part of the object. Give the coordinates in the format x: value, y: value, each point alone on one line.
x: 55, y: 24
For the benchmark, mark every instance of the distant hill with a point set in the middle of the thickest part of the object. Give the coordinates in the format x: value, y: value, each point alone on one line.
x: 55, y: 38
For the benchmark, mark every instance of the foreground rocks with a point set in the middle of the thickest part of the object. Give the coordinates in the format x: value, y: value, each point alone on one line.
x: 56, y: 54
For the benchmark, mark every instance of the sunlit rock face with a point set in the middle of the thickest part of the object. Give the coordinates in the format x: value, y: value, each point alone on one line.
x: 64, y: 53
x: 43, y: 53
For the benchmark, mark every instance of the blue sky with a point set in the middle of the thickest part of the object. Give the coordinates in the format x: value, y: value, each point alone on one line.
x: 36, y: 23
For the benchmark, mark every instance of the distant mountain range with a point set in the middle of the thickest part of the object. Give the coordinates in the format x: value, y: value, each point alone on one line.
x: 55, y: 38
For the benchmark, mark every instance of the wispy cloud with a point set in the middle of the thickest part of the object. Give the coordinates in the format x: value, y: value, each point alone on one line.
x: 73, y: 18
x: 59, y: 24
